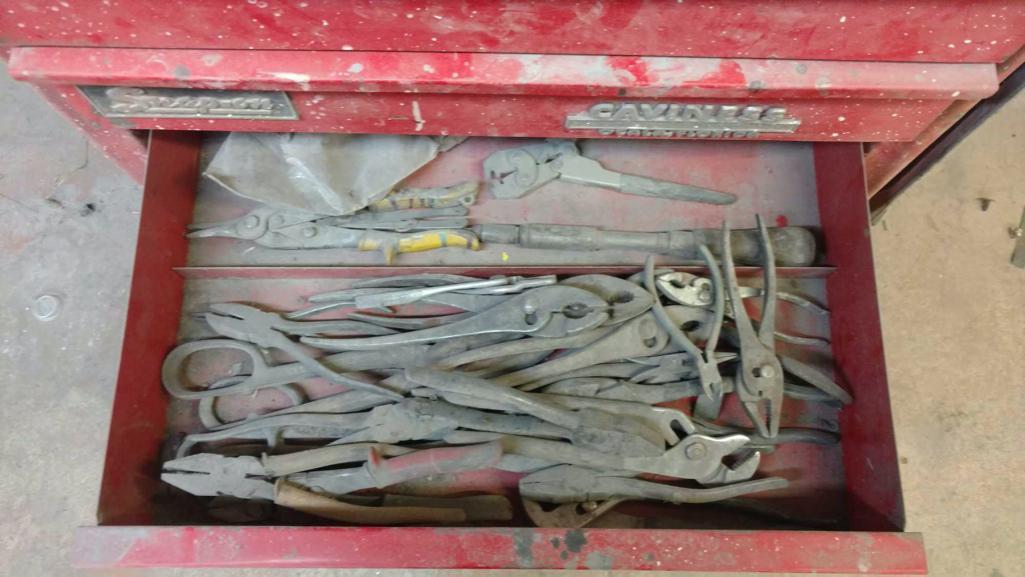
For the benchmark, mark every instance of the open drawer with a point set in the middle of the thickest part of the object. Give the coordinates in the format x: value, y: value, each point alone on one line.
x: 855, y: 486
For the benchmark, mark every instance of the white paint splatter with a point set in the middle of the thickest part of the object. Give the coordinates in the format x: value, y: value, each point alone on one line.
x: 843, y: 19
x: 417, y: 117
x: 346, y: 47
x: 356, y: 68
x: 428, y: 68
x: 303, y: 80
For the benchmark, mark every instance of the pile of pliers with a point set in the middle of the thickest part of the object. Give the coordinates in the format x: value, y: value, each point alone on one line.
x: 556, y: 380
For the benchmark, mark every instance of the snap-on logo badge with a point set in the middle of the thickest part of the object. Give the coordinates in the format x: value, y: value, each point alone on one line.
x: 134, y: 102
x: 683, y: 120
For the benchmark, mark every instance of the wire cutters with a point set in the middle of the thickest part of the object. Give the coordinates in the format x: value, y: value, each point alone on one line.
x: 515, y: 172
x: 760, y: 375
x: 298, y: 230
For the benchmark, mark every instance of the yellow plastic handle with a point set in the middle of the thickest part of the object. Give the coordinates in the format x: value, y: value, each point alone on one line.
x: 392, y: 243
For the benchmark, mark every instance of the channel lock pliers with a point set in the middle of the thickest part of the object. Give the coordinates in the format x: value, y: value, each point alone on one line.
x: 299, y: 230
x: 515, y: 172
x: 547, y: 311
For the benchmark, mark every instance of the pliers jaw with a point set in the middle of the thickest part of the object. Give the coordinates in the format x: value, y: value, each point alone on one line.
x: 743, y: 469
x: 209, y: 475
x: 764, y: 412
x: 244, y: 323
x: 249, y: 227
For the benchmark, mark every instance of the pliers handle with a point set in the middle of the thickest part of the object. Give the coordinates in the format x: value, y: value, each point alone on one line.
x: 760, y: 375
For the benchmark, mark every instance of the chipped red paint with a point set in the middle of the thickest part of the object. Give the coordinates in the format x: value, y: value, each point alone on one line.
x: 730, y: 74
x: 881, y: 30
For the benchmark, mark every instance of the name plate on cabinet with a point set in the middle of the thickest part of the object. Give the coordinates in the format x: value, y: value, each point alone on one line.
x: 683, y: 120
x: 135, y: 102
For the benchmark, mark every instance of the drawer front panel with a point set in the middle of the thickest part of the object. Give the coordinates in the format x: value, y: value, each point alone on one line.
x: 505, y: 94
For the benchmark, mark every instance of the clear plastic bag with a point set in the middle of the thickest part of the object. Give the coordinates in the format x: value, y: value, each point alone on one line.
x: 330, y: 174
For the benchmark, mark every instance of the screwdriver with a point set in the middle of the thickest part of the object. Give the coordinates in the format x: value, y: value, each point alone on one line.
x: 793, y: 245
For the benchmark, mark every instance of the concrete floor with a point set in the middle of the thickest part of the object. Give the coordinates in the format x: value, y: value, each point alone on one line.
x: 953, y: 312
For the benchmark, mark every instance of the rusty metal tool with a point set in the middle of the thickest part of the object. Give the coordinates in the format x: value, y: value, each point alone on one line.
x: 548, y: 311
x: 515, y: 172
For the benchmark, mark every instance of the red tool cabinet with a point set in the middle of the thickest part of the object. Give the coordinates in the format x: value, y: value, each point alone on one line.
x: 701, y: 91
